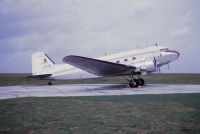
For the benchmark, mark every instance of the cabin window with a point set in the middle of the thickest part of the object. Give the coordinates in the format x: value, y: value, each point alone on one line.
x: 117, y: 62
x: 125, y: 59
x: 133, y: 58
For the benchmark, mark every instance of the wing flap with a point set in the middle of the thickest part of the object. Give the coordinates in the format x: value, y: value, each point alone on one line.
x: 98, y: 67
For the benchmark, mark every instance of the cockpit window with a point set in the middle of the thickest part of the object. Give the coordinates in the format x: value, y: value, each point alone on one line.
x: 164, y: 49
x: 125, y: 59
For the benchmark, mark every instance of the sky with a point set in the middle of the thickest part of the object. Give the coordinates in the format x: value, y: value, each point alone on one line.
x: 92, y: 27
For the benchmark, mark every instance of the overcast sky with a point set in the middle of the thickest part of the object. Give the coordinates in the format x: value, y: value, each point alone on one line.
x: 93, y: 27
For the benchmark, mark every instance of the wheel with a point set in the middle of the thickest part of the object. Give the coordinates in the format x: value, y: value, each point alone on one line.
x: 141, y: 82
x: 133, y: 83
x: 130, y: 84
x: 50, y: 83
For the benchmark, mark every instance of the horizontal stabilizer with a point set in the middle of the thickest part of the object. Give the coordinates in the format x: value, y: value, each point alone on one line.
x: 39, y: 76
x: 98, y: 67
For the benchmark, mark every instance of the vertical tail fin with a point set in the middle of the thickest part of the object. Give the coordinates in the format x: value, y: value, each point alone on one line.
x: 41, y: 63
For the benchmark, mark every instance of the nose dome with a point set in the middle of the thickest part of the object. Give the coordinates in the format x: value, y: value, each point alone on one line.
x: 173, y: 52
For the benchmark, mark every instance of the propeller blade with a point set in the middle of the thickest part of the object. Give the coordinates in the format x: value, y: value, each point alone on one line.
x: 168, y: 66
x: 157, y: 68
x: 155, y: 63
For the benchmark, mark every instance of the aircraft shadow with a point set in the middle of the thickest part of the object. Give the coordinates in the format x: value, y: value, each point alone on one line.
x: 109, y: 87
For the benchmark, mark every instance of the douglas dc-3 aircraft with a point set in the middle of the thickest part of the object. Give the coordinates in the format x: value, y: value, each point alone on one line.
x: 135, y: 62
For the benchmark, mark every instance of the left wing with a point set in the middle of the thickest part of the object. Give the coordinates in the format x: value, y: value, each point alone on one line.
x: 98, y: 67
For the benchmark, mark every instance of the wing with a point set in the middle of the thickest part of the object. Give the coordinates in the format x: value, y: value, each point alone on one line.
x: 98, y: 67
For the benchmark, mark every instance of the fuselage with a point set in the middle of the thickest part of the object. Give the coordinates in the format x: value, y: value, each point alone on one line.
x: 143, y: 59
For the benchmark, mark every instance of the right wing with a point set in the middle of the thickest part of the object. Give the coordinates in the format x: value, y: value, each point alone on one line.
x: 98, y: 67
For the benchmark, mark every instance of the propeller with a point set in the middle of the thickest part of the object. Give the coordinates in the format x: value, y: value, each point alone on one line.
x: 157, y: 68
x: 168, y: 66
x: 154, y: 62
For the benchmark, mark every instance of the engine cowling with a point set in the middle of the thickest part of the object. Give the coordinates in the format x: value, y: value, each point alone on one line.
x: 146, y: 65
x: 149, y: 66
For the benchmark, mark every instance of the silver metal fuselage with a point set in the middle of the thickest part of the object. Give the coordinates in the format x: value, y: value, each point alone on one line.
x: 142, y: 59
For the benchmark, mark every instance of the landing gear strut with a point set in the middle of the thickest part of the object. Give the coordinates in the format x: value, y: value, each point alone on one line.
x: 134, y: 83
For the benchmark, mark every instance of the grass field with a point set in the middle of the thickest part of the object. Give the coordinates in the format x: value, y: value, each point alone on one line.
x: 179, y: 113
x: 175, y: 113
x: 19, y: 79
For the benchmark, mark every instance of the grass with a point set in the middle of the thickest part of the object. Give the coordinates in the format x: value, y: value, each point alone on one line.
x: 175, y: 113
x: 179, y: 113
x: 20, y: 79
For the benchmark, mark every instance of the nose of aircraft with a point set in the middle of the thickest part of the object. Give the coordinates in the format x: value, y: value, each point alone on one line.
x: 173, y: 54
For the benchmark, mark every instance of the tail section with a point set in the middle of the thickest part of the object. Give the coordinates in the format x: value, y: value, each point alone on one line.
x: 41, y: 64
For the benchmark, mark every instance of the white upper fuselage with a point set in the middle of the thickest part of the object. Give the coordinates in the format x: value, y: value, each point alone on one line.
x: 142, y: 59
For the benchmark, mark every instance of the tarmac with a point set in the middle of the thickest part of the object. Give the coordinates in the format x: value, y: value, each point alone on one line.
x: 93, y: 90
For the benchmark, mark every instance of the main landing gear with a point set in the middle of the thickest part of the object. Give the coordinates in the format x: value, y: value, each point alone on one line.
x: 134, y: 83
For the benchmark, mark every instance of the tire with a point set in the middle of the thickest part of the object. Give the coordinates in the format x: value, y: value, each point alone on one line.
x: 130, y: 84
x: 50, y: 83
x: 141, y: 82
x: 133, y: 83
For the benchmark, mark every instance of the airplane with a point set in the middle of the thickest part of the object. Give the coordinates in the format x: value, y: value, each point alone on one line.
x: 133, y: 62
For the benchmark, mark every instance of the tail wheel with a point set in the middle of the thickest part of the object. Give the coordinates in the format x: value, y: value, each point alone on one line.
x: 50, y: 83
x: 133, y: 83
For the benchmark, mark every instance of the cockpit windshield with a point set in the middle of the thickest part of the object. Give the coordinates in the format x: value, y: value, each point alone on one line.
x: 164, y: 49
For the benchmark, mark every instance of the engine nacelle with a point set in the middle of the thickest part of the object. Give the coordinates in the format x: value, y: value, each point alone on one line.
x: 147, y: 65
